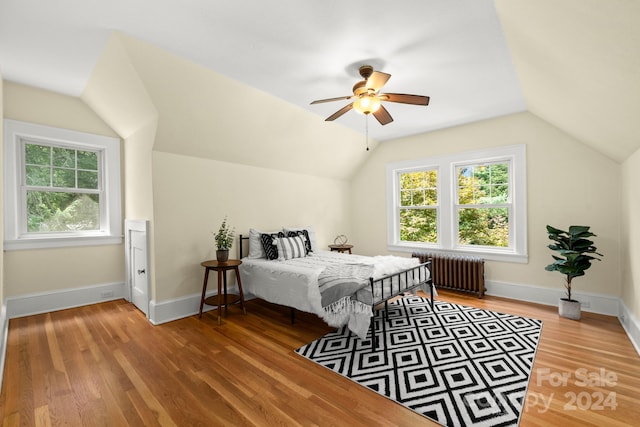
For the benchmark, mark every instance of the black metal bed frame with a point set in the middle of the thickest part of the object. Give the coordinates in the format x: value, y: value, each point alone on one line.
x: 409, y: 273
x: 401, y: 288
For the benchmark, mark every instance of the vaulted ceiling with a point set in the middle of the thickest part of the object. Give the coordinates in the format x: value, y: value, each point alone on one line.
x: 574, y: 63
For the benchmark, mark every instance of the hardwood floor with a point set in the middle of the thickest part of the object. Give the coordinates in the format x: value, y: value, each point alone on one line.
x: 105, y: 365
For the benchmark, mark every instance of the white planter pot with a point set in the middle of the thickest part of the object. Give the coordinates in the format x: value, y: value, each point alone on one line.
x: 569, y: 309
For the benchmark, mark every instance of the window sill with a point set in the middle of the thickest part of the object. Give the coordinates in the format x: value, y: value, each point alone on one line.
x: 60, y: 242
x: 501, y: 256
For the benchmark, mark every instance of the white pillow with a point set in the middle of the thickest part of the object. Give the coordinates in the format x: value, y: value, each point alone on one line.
x: 255, y: 245
x: 310, y: 230
x: 290, y: 247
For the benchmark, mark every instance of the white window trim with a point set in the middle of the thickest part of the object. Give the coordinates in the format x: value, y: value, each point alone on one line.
x: 447, y: 227
x: 111, y: 229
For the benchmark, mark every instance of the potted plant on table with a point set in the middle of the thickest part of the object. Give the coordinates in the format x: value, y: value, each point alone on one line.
x: 573, y: 259
x: 224, y: 241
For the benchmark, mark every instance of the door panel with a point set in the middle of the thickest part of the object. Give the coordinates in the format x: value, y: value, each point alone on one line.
x: 139, y: 276
x: 138, y: 291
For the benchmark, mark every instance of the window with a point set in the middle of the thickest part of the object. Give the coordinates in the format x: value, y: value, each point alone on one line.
x: 469, y: 203
x: 62, y: 187
x: 419, y: 206
x: 483, y: 204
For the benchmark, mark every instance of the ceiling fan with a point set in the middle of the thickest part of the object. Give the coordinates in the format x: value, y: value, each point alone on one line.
x: 367, y: 98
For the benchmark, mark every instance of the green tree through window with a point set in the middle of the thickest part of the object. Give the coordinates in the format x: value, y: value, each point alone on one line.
x: 471, y: 202
x: 483, y: 198
x: 418, y: 206
x: 62, y: 188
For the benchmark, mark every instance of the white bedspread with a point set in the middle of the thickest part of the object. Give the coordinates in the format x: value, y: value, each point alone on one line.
x: 294, y: 283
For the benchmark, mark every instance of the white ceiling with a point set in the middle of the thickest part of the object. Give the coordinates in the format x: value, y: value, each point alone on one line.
x: 455, y: 52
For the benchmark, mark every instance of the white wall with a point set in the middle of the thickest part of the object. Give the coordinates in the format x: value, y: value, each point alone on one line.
x: 568, y: 183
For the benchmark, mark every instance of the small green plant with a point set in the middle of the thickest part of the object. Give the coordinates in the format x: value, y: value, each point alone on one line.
x: 573, y: 247
x: 224, y: 236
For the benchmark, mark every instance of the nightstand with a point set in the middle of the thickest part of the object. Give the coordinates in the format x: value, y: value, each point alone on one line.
x: 223, y: 299
x: 341, y: 248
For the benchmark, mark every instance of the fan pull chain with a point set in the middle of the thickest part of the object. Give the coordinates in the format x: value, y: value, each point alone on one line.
x: 366, y: 127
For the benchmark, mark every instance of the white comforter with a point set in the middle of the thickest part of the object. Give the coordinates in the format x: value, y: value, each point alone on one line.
x: 294, y: 283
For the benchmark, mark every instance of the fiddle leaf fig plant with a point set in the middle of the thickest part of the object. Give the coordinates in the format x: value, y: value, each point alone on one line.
x: 573, y: 248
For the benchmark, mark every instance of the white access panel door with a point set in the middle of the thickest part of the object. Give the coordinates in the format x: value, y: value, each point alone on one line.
x: 137, y: 264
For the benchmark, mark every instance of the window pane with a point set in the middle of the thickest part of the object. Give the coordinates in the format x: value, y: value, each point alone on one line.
x: 38, y: 175
x: 54, y: 211
x: 419, y: 225
x: 64, y: 178
x: 500, y: 173
x: 419, y: 188
x: 483, y: 226
x: 483, y: 184
x: 37, y: 154
x: 465, y: 186
x: 64, y: 157
x: 500, y: 193
x: 405, y: 197
x: 88, y: 160
x: 88, y: 179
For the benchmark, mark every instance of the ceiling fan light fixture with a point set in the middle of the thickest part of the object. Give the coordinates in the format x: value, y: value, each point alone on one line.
x: 367, y: 103
x: 367, y: 98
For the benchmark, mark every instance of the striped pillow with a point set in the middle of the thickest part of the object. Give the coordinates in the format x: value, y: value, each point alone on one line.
x: 290, y: 247
x: 304, y: 234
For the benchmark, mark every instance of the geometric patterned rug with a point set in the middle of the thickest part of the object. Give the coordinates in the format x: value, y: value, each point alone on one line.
x: 459, y: 366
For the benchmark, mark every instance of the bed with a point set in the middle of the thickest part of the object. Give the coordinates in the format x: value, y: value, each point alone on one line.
x: 286, y: 267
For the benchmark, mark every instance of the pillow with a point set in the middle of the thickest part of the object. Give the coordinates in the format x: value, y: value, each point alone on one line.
x: 310, y: 231
x: 255, y: 244
x: 269, y: 244
x: 291, y: 247
x: 305, y: 238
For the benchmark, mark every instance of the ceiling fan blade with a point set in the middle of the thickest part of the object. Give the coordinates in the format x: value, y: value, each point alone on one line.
x: 341, y: 98
x: 377, y: 80
x: 383, y: 116
x: 405, y: 99
x: 339, y: 112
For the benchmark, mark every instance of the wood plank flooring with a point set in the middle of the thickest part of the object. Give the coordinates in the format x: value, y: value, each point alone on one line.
x: 105, y: 365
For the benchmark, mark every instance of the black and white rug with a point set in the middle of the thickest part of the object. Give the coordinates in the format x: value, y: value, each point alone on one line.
x: 459, y: 366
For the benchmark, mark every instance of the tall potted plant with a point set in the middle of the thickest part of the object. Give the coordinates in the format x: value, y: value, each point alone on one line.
x: 224, y: 241
x: 573, y: 259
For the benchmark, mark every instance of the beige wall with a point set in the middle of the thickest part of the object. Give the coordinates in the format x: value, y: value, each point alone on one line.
x: 206, y: 167
x: 192, y: 196
x: 34, y: 271
x: 161, y: 104
x: 1, y: 192
x: 568, y: 183
x: 204, y: 114
x: 116, y: 92
x: 630, y: 241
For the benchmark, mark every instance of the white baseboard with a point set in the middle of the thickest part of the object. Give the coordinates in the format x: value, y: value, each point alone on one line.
x: 595, y: 303
x: 178, y: 308
x: 631, y: 326
x: 45, y: 302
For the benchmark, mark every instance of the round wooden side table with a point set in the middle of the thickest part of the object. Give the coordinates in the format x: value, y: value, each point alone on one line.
x: 223, y: 299
x: 341, y: 248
